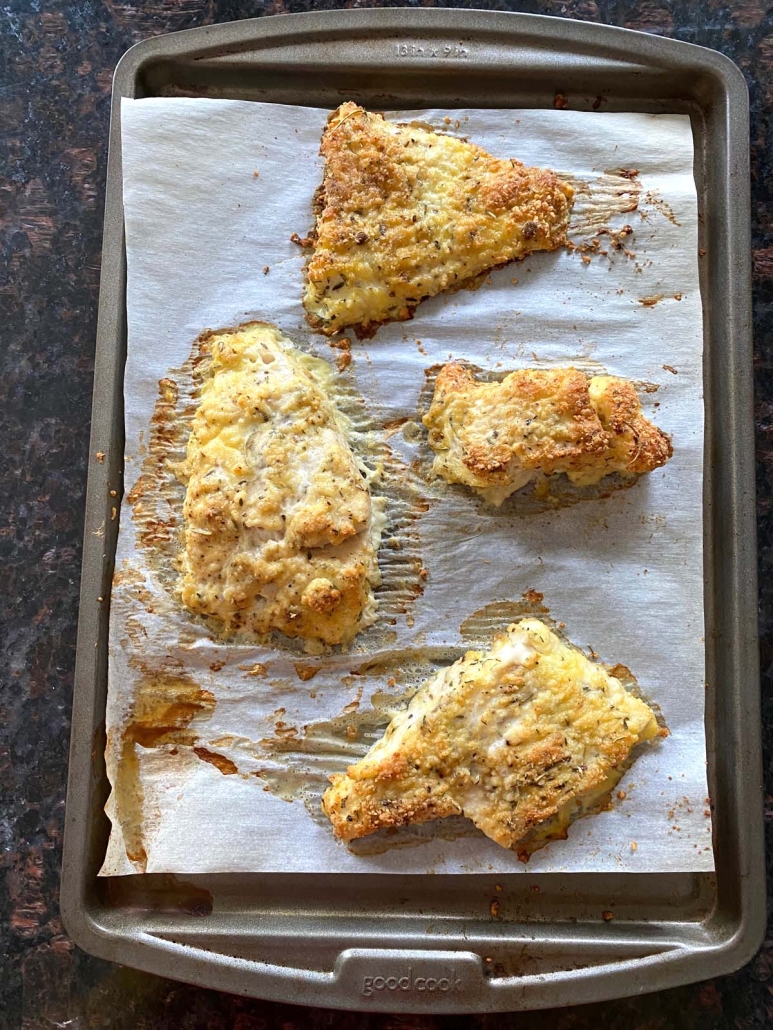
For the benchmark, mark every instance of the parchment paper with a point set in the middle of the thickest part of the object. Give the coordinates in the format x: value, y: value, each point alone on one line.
x: 213, y: 191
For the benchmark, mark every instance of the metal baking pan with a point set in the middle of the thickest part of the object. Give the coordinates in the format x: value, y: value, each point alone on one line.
x: 415, y: 943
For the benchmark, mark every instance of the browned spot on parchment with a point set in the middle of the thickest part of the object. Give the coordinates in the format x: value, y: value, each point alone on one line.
x: 284, y: 730
x: 225, y: 765
x: 158, y: 495
x: 653, y: 199
x: 394, y: 425
x: 129, y: 585
x: 624, y: 173
x: 136, y: 632
x: 354, y: 704
x: 306, y: 672
x: 256, y: 669
x: 624, y: 674
x: 153, y: 529
x: 605, y: 242
x: 165, y: 704
x: 344, y: 358
x: 651, y: 301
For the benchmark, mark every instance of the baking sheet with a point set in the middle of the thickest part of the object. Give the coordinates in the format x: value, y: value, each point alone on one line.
x: 624, y: 573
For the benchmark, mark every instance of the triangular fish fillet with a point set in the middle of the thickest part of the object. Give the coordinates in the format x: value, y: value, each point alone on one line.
x: 405, y: 213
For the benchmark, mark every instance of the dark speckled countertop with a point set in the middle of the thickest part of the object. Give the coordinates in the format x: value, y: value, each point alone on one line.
x: 57, y: 61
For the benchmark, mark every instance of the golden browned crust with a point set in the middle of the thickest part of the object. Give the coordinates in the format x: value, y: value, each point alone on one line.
x: 525, y: 733
x: 405, y: 213
x: 494, y: 436
x: 280, y: 528
x: 636, y: 445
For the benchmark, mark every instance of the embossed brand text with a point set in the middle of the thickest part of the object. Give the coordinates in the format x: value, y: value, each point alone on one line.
x: 408, y: 982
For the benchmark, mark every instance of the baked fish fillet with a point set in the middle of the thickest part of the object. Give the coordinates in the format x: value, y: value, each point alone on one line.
x: 404, y: 213
x: 494, y: 437
x: 529, y: 731
x: 280, y: 529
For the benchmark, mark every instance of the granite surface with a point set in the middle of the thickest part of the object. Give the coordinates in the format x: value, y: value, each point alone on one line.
x: 57, y: 60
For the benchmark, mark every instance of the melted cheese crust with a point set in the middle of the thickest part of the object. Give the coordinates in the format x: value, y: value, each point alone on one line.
x: 509, y: 738
x: 494, y: 437
x: 280, y: 531
x: 404, y: 213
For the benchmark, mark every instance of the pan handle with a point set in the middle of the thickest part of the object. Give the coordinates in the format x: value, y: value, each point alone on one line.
x: 411, y: 979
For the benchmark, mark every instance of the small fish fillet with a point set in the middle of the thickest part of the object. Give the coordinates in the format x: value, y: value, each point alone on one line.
x: 494, y: 437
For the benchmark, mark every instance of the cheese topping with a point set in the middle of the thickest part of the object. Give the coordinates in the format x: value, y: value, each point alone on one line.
x: 510, y: 738
x: 494, y: 437
x: 281, y: 532
x: 405, y: 213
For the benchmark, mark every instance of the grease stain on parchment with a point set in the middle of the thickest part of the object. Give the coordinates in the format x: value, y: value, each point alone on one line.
x: 220, y: 762
x: 654, y: 201
x: 600, y: 199
x: 300, y: 767
x: 600, y: 202
x: 165, y: 705
x: 480, y: 628
x: 157, y: 497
